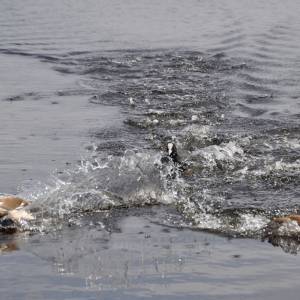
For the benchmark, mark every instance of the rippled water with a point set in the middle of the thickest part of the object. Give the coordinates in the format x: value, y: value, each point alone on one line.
x: 218, y: 78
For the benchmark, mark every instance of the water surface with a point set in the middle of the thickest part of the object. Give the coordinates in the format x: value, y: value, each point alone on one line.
x: 91, y: 93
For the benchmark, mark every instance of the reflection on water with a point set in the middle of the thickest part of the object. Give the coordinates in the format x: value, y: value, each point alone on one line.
x: 6, y: 247
x: 137, y: 259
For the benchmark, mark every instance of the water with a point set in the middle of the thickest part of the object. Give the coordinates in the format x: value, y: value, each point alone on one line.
x: 44, y: 121
x: 92, y: 91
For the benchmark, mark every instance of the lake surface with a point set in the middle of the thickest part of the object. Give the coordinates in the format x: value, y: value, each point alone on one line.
x: 92, y: 91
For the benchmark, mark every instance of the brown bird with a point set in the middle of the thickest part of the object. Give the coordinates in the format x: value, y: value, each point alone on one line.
x: 11, y: 206
x: 288, y: 218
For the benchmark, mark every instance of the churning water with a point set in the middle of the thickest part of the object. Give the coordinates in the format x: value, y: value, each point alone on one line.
x: 218, y: 78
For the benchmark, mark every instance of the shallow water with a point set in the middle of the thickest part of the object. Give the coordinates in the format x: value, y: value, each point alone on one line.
x: 140, y: 259
x: 92, y: 91
x: 42, y: 125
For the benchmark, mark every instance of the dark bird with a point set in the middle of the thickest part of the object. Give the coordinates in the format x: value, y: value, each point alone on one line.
x: 172, y: 152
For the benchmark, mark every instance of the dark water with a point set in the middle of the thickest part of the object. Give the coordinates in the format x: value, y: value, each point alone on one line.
x: 91, y: 92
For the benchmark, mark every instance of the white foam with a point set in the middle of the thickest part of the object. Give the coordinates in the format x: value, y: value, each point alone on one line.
x: 289, y: 229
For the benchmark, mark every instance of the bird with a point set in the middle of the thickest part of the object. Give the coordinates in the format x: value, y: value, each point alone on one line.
x: 272, y: 231
x: 11, y: 207
x: 286, y: 219
x: 172, y: 152
x: 179, y: 165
